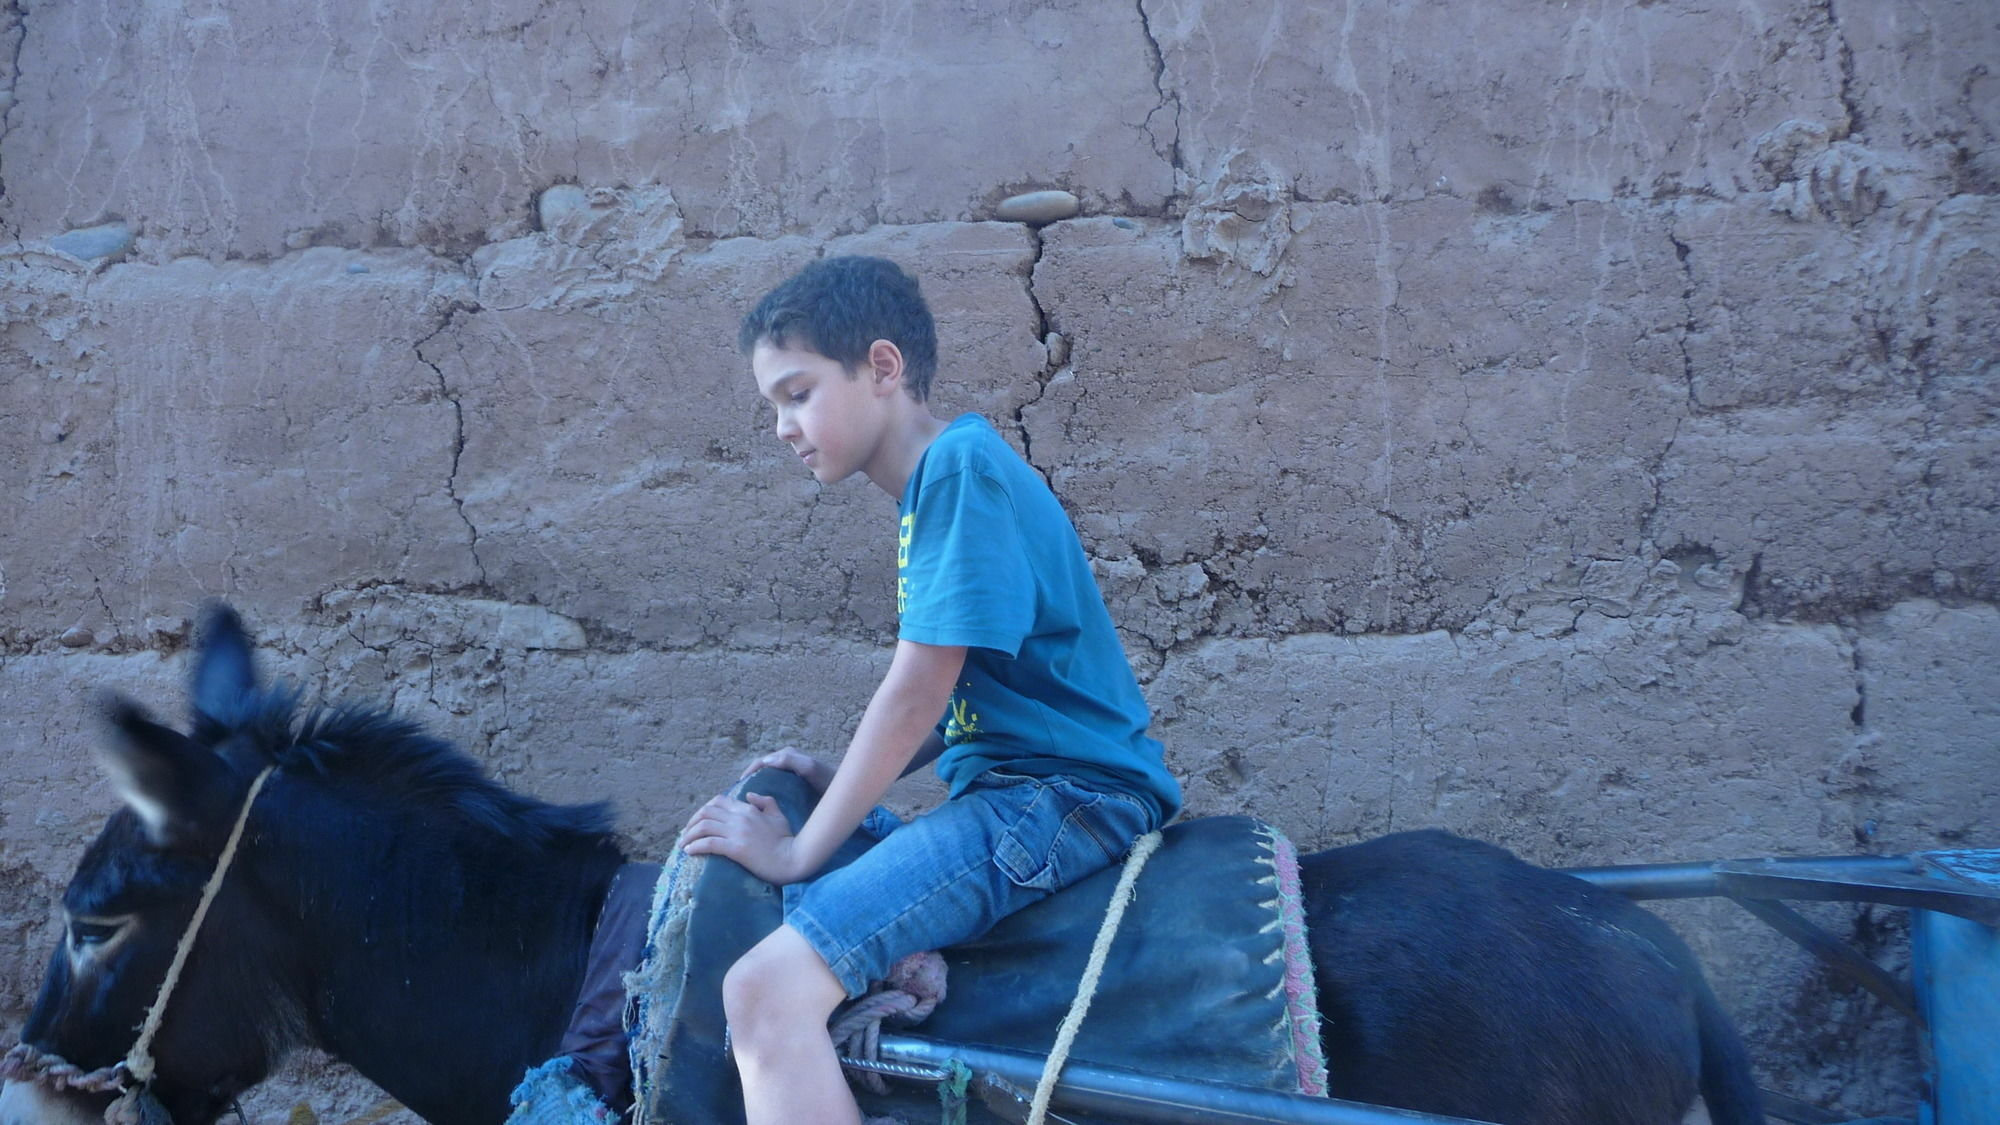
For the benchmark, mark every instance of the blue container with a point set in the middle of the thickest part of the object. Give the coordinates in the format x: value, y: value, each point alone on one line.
x: 1957, y: 969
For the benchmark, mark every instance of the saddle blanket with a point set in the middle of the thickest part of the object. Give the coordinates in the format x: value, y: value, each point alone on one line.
x: 1208, y: 975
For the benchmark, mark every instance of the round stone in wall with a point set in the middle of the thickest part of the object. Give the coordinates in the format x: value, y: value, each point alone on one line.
x: 558, y: 201
x: 1037, y: 207
x: 106, y: 240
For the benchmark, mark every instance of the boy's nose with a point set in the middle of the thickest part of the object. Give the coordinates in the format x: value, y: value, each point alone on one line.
x: 786, y: 429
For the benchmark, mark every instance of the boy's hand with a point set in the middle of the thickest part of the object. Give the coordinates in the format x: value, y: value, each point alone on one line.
x: 817, y: 773
x: 753, y: 832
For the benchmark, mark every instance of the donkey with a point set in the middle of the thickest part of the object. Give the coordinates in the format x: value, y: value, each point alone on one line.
x: 390, y: 904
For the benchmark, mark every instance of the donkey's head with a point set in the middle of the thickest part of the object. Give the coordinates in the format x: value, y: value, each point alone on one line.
x: 389, y: 903
x: 134, y: 896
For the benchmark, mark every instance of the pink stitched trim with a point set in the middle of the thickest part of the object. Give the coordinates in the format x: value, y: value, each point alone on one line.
x: 1301, y: 997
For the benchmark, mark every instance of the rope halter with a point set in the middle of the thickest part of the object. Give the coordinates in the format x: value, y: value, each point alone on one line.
x: 134, y: 1074
x: 139, y: 1061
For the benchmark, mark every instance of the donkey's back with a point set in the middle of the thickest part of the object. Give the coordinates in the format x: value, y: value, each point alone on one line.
x: 1457, y: 979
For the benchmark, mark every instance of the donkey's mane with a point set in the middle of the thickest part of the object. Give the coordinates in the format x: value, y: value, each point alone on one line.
x: 395, y: 760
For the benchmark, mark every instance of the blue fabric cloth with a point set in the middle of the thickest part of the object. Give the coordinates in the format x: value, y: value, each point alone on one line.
x: 946, y: 877
x: 987, y: 558
x: 552, y: 1094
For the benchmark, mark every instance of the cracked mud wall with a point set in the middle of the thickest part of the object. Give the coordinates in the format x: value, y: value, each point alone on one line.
x: 1572, y: 425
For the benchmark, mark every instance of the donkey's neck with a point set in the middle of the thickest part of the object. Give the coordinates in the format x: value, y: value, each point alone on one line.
x: 443, y: 960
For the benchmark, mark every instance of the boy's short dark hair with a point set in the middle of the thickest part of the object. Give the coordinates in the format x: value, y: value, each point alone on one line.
x: 839, y: 306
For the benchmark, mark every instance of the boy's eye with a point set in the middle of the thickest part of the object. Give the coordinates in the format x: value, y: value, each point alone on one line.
x: 797, y: 396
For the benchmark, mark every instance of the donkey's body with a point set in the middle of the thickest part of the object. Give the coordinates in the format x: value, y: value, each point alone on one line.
x: 397, y: 909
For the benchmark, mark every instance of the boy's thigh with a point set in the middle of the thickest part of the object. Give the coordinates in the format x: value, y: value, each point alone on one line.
x: 949, y: 875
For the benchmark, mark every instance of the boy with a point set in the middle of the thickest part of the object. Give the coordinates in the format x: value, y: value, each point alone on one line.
x: 1042, y: 743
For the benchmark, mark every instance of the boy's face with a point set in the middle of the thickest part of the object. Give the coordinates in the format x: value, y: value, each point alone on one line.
x: 832, y: 418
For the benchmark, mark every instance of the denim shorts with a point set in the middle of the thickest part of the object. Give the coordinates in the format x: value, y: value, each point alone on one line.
x: 950, y: 874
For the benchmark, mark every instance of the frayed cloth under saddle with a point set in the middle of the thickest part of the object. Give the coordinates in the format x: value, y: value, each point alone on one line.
x: 1209, y: 973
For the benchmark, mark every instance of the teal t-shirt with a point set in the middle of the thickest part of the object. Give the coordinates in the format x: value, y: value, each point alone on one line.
x: 986, y: 558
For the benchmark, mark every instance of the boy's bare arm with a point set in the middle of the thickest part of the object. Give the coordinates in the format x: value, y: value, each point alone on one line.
x: 898, y: 723
x: 818, y: 774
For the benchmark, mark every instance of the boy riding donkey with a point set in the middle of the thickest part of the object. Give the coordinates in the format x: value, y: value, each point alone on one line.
x: 1003, y: 634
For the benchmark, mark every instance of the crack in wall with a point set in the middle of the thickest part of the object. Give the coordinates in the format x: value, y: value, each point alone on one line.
x: 17, y: 17
x: 1050, y: 364
x: 1682, y: 253
x: 1859, y: 715
x: 1172, y: 152
x: 1848, y: 102
x: 458, y: 427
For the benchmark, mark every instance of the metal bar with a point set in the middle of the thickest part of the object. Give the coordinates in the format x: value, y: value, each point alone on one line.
x: 1782, y: 879
x: 1119, y: 1092
x: 1838, y: 954
x: 1893, y: 880
x: 904, y: 1071
x: 1700, y: 880
x: 1010, y: 1103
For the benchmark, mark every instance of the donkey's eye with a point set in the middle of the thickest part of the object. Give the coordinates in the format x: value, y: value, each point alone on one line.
x: 85, y: 933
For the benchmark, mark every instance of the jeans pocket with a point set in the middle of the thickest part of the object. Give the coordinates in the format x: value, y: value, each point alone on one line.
x: 1066, y: 833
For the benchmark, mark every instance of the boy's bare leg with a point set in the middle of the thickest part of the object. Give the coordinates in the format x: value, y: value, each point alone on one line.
x: 778, y: 997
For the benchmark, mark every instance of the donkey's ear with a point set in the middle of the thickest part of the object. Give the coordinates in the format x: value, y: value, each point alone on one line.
x: 225, y: 676
x: 161, y: 774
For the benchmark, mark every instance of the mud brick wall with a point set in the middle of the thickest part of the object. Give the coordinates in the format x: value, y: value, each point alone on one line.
x: 1575, y: 425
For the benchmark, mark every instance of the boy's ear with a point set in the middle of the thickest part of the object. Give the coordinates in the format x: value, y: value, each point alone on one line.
x: 885, y: 365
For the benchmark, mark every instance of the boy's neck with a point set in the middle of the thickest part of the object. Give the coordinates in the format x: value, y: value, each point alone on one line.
x: 902, y: 447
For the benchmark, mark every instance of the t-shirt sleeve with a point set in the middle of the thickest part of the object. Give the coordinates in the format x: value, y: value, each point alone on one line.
x: 963, y: 576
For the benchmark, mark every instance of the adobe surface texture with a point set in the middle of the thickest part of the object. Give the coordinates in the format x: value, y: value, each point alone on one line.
x: 1576, y: 426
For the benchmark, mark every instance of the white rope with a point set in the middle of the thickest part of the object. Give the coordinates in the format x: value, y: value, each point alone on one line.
x: 1086, y: 988
x: 139, y: 1063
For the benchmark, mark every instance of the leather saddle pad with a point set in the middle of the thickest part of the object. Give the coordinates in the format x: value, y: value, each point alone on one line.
x: 1208, y: 977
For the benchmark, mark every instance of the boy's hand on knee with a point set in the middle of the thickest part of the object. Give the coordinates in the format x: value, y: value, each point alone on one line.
x: 753, y: 832
x: 817, y: 773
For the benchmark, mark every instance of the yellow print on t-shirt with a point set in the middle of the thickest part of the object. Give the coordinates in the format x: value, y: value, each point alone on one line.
x: 961, y: 721
x: 904, y: 531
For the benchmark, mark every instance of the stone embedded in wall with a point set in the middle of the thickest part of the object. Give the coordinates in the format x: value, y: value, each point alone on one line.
x: 558, y: 202
x: 105, y: 242
x: 1037, y: 208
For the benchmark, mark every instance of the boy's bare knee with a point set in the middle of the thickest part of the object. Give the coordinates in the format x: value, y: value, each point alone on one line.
x: 780, y: 988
